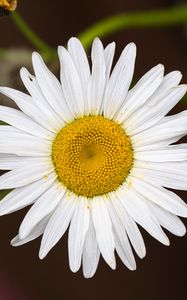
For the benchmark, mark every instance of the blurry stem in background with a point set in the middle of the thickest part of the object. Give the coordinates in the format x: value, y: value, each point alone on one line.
x: 176, y: 15
x: 33, y: 38
x: 155, y: 18
x: 2, y: 52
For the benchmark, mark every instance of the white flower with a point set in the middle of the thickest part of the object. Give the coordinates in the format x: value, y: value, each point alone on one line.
x: 90, y: 153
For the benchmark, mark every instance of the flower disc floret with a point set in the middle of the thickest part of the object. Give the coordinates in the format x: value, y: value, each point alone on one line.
x: 92, y: 156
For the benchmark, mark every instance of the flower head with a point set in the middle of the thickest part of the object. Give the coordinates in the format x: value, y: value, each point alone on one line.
x: 90, y: 153
x: 7, y: 6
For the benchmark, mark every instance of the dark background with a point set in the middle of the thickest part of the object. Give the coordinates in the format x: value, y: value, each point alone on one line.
x: 162, y: 275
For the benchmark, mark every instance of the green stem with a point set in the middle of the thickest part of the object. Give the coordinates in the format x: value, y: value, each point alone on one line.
x: 103, y: 28
x: 2, y: 52
x: 32, y: 37
x: 155, y: 18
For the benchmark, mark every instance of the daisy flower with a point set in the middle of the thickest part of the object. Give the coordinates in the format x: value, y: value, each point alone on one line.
x: 94, y: 156
x: 7, y: 6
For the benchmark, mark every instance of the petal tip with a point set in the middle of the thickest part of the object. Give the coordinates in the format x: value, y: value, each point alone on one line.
x: 22, y: 233
x: 35, y: 55
x: 166, y: 242
x: 42, y: 255
x: 13, y: 242
x: 143, y: 254
x: 160, y: 67
x: 134, y: 268
x: 112, y: 264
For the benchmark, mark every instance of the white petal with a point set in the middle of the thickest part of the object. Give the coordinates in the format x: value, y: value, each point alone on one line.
x: 41, y: 208
x: 139, y: 94
x: 24, y: 175
x: 167, y: 131
x: 24, y: 196
x: 71, y: 83
x: 25, y: 103
x: 34, y: 234
x: 7, y: 130
x: 120, y: 81
x: 178, y: 119
x: 31, y: 84
x: 109, y: 56
x: 10, y: 161
x: 91, y: 252
x: 169, y: 179
x: 80, y: 60
x: 97, y: 80
x: 141, y: 214
x: 77, y: 233
x: 167, y: 220
x: 170, y: 80
x: 39, y: 100
x: 177, y: 168
x: 57, y: 224
x: 23, y: 144
x: 51, y: 88
x: 122, y: 244
x: 162, y: 197
x: 136, y: 122
x: 150, y: 115
x: 170, y: 153
x: 21, y: 121
x: 103, y: 228
x: 130, y: 226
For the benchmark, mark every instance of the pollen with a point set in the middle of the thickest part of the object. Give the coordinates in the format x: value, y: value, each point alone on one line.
x: 92, y: 156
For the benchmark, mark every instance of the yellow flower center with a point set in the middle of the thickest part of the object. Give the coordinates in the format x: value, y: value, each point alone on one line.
x: 92, y: 156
